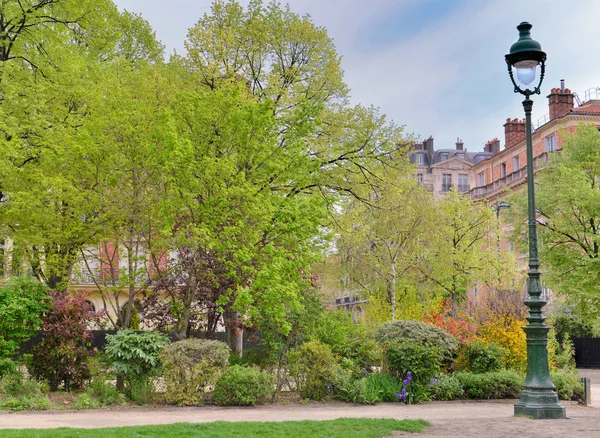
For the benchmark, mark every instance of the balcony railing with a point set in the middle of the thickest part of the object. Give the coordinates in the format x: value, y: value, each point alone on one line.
x: 510, y: 180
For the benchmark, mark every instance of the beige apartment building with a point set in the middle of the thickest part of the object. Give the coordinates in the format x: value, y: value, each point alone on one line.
x: 485, y: 175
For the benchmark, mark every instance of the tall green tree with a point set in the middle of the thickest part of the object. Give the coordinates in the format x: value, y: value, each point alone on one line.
x: 382, y: 240
x: 268, y: 143
x: 460, y: 248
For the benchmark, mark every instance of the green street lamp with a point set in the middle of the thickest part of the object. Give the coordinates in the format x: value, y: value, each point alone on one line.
x: 538, y: 398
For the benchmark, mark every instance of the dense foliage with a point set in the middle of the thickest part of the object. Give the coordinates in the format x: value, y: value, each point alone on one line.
x: 22, y: 302
x: 416, y: 332
x: 190, y: 367
x: 243, y: 386
x: 312, y: 366
x: 61, y: 358
x: 135, y: 357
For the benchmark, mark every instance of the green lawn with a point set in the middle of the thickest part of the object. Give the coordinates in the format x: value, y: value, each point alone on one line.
x: 341, y: 428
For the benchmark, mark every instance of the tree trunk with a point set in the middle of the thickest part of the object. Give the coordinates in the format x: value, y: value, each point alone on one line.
x: 233, y: 330
x: 392, y: 292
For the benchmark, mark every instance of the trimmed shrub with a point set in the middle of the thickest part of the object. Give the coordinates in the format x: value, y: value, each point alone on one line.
x: 243, y: 386
x: 447, y: 388
x: 494, y: 385
x: 312, y: 366
x: 424, y: 362
x: 568, y: 384
x: 22, y: 302
x: 190, y: 366
x: 482, y: 358
x: 134, y: 357
x: 417, y: 332
x: 62, y: 356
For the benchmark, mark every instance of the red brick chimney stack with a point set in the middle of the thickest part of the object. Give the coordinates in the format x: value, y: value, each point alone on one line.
x: 492, y: 146
x: 514, y: 132
x: 560, y: 101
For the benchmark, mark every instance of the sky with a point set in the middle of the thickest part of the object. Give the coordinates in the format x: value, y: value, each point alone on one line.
x: 435, y: 67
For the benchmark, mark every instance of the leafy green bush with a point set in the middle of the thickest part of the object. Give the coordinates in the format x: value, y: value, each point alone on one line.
x: 190, y: 366
x: 571, y: 325
x: 22, y: 302
x: 374, y: 388
x: 447, y: 388
x: 494, y: 385
x: 17, y: 394
x: 417, y: 332
x: 14, y: 385
x: 423, y: 361
x: 26, y: 403
x: 568, y: 384
x: 243, y: 386
x: 348, y: 340
x: 135, y: 357
x: 312, y: 366
x: 100, y: 391
x: 483, y: 357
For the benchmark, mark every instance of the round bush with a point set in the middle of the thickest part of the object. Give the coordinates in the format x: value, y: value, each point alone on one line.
x: 242, y: 386
x: 190, y: 366
x: 423, y: 361
x: 481, y: 357
x: 447, y: 388
x: 416, y: 332
x: 312, y: 366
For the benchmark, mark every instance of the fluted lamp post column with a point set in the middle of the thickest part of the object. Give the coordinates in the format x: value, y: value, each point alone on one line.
x: 538, y: 398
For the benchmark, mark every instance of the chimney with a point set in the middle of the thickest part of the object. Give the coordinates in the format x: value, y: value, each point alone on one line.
x: 560, y: 101
x: 514, y: 132
x: 428, y: 147
x: 492, y: 146
x: 459, y: 144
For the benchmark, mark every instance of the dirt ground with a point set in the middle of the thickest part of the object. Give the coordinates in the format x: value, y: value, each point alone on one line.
x: 490, y: 419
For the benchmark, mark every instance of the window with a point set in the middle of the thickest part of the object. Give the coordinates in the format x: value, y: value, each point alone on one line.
x: 550, y: 143
x: 420, y: 159
x: 502, y: 170
x: 480, y: 179
x: 463, y: 183
x: 443, y: 156
x: 446, y: 182
x: 461, y: 156
x: 516, y: 163
x: 420, y: 178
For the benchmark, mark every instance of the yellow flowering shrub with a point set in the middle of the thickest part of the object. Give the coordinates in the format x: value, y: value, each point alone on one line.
x: 509, y: 334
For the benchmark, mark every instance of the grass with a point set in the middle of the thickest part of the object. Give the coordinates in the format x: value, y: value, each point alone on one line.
x: 341, y: 428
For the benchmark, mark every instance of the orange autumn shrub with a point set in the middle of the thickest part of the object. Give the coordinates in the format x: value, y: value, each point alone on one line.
x: 508, y: 334
x: 461, y: 327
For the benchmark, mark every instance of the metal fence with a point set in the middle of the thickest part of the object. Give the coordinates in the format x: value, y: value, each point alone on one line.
x: 98, y: 340
x: 587, y: 352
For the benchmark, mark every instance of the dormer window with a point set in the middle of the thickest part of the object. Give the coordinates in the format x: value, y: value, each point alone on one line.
x: 420, y: 159
x: 444, y: 156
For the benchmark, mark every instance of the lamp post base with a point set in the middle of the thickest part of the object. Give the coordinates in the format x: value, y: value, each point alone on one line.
x: 539, y: 404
